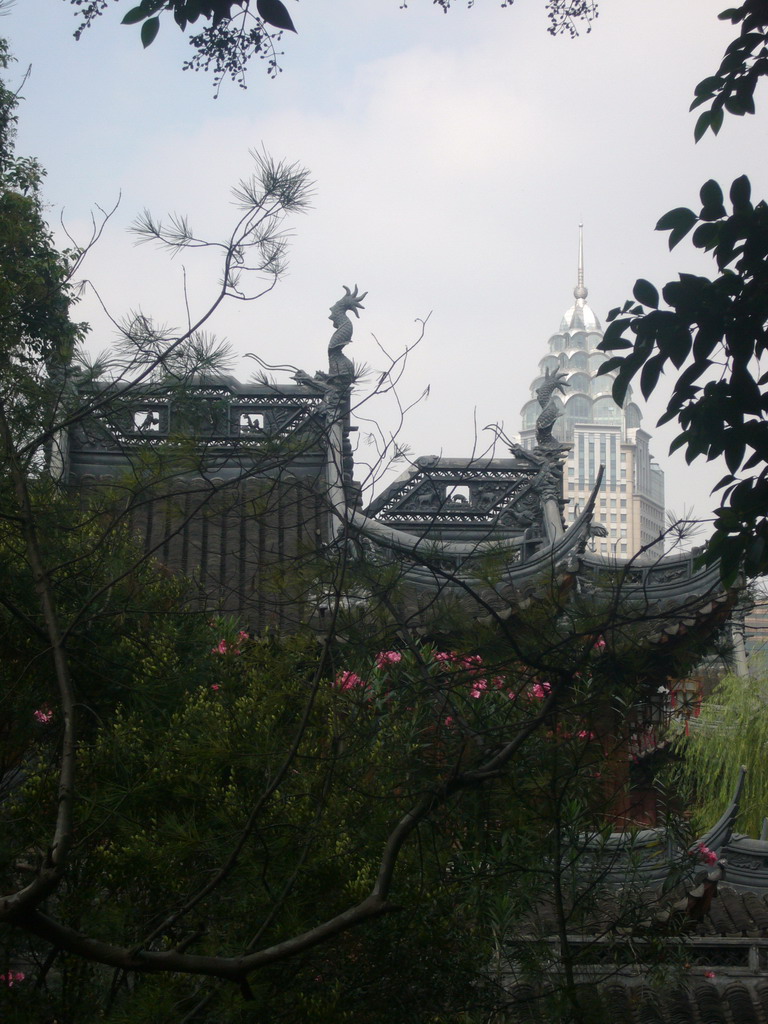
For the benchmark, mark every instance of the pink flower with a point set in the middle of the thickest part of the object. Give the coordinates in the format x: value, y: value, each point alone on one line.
x: 215, y: 686
x: 449, y: 721
x: 478, y: 687
x: 11, y: 977
x: 707, y: 855
x: 599, y: 644
x: 385, y: 658
x: 540, y: 690
x: 584, y: 735
x: 709, y: 974
x: 222, y: 647
x: 43, y: 715
x: 445, y: 656
x: 349, y: 681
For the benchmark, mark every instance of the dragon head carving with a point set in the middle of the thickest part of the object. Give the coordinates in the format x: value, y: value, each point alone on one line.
x: 552, y: 382
x: 349, y: 303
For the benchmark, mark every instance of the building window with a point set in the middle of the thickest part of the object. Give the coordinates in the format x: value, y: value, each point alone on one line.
x: 146, y: 421
x: 458, y: 494
x: 251, y: 422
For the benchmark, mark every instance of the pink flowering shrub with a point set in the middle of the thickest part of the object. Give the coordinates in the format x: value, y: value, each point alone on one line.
x: 707, y: 855
x: 223, y: 647
x: 11, y: 978
x: 385, y: 658
x: 349, y: 681
x: 539, y: 691
x: 438, y: 703
x: 43, y: 715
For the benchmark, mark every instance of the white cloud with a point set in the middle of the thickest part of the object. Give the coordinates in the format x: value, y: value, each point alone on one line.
x: 454, y: 157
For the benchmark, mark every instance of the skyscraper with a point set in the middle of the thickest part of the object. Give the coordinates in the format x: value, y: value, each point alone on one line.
x: 599, y: 432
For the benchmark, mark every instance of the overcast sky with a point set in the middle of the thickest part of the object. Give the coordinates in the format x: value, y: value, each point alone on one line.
x: 453, y: 157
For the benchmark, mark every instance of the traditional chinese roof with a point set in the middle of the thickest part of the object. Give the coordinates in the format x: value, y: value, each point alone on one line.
x: 466, y: 499
x: 224, y: 416
x: 693, y: 999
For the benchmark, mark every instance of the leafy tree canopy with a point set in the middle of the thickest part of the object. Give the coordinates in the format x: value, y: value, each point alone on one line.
x: 730, y: 732
x: 732, y: 88
x: 713, y: 331
x: 35, y: 298
x: 239, y: 798
x: 236, y: 32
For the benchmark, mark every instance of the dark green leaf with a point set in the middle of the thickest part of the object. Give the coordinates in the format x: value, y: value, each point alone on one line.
x: 649, y: 378
x: 273, y: 12
x: 678, y: 217
x: 679, y: 222
x: 645, y: 292
x: 610, y: 365
x: 722, y: 482
x: 729, y: 568
x: 734, y: 105
x: 706, y: 236
x: 702, y: 124
x: 741, y: 190
x: 711, y: 194
x: 708, y: 86
x: 614, y: 336
x: 748, y: 102
x: 734, y: 455
x: 192, y: 10
x: 678, y: 442
x: 149, y: 31
x: 134, y: 15
x: 619, y: 388
x: 755, y: 459
x: 733, y: 14
x: 755, y: 556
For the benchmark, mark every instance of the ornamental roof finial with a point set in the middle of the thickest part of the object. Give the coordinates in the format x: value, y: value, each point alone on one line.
x: 580, y: 292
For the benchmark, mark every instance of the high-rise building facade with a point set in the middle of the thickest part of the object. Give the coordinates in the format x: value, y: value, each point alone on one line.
x: 631, y: 501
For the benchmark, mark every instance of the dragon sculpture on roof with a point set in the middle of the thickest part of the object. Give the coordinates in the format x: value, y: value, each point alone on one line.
x: 547, y: 418
x: 351, y: 302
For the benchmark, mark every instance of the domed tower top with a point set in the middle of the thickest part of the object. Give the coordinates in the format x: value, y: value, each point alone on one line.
x: 573, y: 352
x: 580, y: 316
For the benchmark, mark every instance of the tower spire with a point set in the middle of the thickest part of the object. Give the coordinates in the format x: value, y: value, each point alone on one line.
x: 580, y: 292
